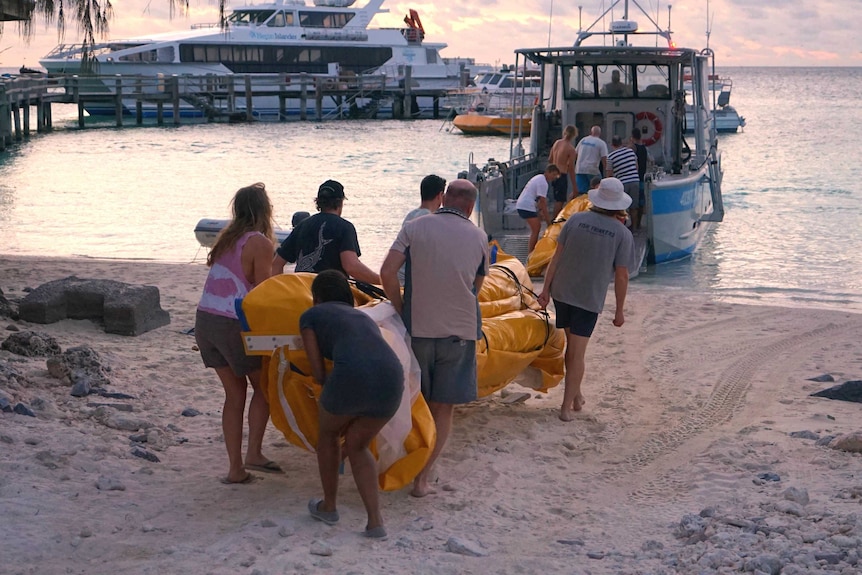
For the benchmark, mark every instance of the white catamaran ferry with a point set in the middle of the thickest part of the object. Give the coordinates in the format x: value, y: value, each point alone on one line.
x: 618, y: 86
x: 330, y: 37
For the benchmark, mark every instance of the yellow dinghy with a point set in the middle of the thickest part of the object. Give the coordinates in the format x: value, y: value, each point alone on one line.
x: 517, y: 336
x: 541, y: 255
x: 272, y: 311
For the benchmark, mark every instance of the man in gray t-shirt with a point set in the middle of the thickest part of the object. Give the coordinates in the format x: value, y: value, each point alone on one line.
x: 447, y: 261
x: 593, y: 248
x: 431, y: 196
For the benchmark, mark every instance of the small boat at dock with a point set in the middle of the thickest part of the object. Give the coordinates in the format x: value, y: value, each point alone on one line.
x: 208, y: 229
x: 502, y: 106
x: 479, y: 124
x: 726, y: 118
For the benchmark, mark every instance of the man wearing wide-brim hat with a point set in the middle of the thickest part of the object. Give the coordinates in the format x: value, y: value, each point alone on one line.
x: 593, y: 248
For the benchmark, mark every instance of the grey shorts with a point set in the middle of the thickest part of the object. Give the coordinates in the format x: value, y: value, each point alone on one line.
x: 448, y: 366
x: 633, y: 189
x: 219, y: 340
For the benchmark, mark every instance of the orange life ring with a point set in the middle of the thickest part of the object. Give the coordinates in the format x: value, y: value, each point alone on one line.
x: 655, y: 121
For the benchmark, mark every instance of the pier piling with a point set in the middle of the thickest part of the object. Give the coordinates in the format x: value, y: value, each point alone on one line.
x: 211, y: 97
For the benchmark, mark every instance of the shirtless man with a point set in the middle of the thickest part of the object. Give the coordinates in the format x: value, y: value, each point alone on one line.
x: 563, y: 155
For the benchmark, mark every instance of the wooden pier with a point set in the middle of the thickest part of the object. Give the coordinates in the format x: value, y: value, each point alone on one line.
x: 210, y: 98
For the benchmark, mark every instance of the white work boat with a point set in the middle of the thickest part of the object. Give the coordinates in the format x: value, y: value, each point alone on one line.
x: 682, y: 187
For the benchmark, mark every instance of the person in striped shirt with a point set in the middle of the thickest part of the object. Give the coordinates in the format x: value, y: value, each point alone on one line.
x: 623, y: 165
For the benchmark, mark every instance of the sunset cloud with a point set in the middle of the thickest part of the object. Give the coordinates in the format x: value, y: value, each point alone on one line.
x: 744, y: 33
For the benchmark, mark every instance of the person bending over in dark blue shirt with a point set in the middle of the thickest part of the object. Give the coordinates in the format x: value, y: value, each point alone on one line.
x: 360, y: 394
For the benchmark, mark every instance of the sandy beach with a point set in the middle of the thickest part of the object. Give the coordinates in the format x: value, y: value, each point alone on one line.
x: 681, y: 462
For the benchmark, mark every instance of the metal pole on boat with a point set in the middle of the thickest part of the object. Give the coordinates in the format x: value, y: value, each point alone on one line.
x: 708, y: 25
x: 669, y: 6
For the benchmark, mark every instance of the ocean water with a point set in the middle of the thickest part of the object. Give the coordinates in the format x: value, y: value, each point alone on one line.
x: 792, y: 187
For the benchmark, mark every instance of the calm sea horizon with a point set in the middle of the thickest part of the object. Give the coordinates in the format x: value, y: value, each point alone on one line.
x: 792, y: 193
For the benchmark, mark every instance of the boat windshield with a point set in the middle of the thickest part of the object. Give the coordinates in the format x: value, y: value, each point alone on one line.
x: 511, y: 82
x: 616, y: 81
x: 246, y: 17
x: 492, y: 79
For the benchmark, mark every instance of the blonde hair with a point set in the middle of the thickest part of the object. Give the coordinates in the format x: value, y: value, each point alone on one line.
x: 252, y: 212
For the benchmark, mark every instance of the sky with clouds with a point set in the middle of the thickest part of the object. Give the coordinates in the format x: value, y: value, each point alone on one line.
x: 744, y: 32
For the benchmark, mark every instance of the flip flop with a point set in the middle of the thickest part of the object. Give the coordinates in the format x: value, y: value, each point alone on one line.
x: 378, y: 532
x: 328, y: 517
x: 268, y: 467
x: 248, y: 479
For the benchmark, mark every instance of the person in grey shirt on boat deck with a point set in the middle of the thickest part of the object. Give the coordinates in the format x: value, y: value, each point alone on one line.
x: 592, y: 154
x: 447, y: 261
x: 431, y: 195
x: 593, y: 248
x: 324, y: 241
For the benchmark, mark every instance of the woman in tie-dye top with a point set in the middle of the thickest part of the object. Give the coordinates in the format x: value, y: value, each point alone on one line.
x: 240, y: 259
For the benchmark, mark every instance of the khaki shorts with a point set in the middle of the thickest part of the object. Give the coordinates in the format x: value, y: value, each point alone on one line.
x: 219, y: 340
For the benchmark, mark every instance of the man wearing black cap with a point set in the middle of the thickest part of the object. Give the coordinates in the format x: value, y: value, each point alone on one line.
x: 324, y: 241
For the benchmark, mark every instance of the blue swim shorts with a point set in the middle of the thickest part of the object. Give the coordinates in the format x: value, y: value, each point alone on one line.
x: 582, y: 182
x: 448, y: 366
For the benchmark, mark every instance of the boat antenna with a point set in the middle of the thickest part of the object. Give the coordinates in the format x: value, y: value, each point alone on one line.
x: 709, y: 22
x: 669, y: 6
x: 550, y: 21
x: 580, y: 19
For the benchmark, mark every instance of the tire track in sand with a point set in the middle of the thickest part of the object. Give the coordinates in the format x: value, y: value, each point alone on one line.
x: 727, y: 397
